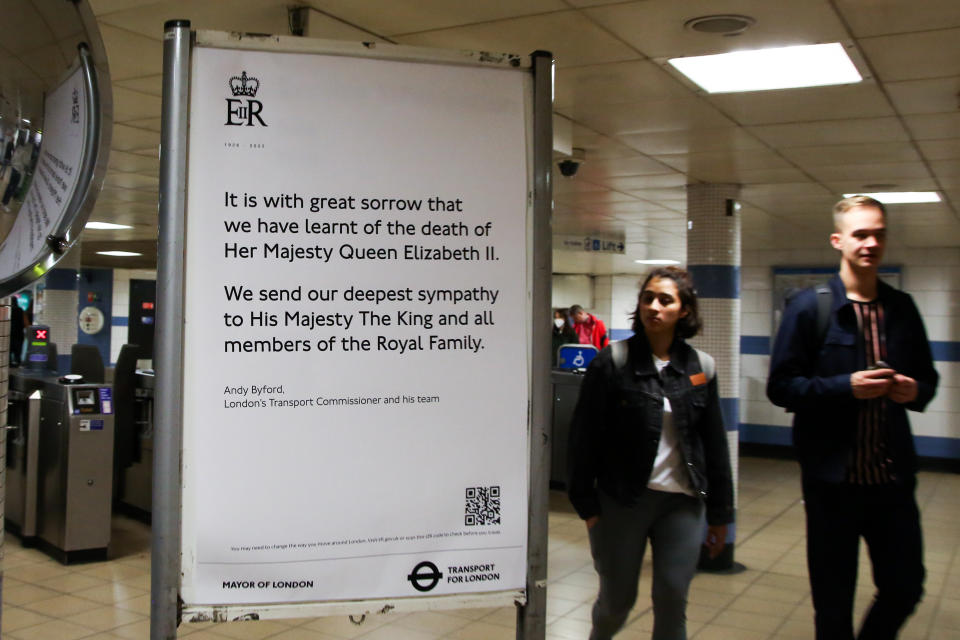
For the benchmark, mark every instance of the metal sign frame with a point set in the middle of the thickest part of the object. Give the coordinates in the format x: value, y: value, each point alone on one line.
x: 167, y: 609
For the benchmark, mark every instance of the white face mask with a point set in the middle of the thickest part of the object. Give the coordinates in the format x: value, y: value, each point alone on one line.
x: 558, y: 323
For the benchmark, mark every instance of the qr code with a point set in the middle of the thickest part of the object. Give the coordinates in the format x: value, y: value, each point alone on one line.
x: 482, y: 506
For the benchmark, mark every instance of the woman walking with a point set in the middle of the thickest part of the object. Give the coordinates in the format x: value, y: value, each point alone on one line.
x: 649, y: 459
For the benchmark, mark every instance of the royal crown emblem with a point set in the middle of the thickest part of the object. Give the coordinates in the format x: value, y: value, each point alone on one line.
x: 244, y: 85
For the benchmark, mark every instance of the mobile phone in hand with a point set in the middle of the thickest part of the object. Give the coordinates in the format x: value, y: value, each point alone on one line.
x: 880, y: 364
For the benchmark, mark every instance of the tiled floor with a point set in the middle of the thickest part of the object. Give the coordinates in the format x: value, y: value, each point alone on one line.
x: 43, y: 600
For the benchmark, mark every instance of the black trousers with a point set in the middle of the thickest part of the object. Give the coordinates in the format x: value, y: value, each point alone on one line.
x: 888, y: 519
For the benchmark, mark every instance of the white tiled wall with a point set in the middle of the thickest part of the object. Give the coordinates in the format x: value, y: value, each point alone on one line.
x: 60, y: 314
x: 931, y: 276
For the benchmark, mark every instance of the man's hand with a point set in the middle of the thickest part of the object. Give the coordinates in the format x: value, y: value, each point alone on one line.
x: 716, y: 539
x: 592, y: 521
x: 903, y: 389
x: 873, y: 383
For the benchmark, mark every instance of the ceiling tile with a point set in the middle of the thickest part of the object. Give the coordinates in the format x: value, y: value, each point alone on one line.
x: 786, y: 192
x: 634, y: 183
x: 635, y: 166
x: 840, y: 187
x: 587, y: 198
x: 150, y: 84
x: 131, y: 55
x: 639, y: 207
x: 878, y: 17
x: 863, y: 100
x: 564, y: 185
x: 103, y: 7
x: 934, y: 126
x: 62, y: 24
x: 940, y: 149
x: 647, y: 117
x: 389, y: 17
x: 837, y: 154
x: 911, y: 56
x: 596, y: 145
x: 118, y: 180
x: 150, y: 124
x: 28, y: 31
x: 613, y: 83
x: 697, y: 141
x: 655, y: 27
x: 223, y: 15
x: 945, y: 235
x: 731, y: 158
x: 133, y: 105
x: 937, y: 95
x: 127, y: 138
x: 870, y: 173
x: 946, y: 168
x: 805, y: 134
x: 131, y: 163
x: 571, y: 38
x: 748, y: 176
x: 109, y: 194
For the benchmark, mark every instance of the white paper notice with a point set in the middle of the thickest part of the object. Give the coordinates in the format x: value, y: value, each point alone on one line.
x: 356, y: 377
x: 54, y: 178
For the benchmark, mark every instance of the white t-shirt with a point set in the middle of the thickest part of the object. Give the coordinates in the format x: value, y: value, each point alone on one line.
x: 669, y: 472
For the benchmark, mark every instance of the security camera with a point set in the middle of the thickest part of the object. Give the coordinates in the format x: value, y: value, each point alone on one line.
x: 568, y: 167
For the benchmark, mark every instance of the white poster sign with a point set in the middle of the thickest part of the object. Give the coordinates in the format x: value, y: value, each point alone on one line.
x: 356, y: 358
x: 54, y: 178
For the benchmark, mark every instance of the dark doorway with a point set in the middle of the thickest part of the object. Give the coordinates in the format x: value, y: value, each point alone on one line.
x: 143, y: 302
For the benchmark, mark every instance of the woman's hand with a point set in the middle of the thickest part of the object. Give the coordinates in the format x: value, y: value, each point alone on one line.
x: 591, y: 521
x: 716, y: 539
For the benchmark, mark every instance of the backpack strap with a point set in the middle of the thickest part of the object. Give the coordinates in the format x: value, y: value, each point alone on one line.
x: 824, y: 302
x: 619, y: 351
x: 707, y: 364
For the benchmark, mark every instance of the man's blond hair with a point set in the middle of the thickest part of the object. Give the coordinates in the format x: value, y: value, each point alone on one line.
x: 846, y: 204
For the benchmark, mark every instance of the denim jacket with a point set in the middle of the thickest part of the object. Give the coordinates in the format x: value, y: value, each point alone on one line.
x: 617, y: 424
x: 812, y: 379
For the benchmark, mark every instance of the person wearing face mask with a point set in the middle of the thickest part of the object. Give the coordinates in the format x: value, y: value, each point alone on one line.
x: 648, y: 459
x: 563, y: 332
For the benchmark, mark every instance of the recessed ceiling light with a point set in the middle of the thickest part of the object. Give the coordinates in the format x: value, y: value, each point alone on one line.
x: 723, y: 24
x: 121, y: 254
x: 768, y: 69
x: 106, y: 225
x: 657, y: 262
x: 900, y: 197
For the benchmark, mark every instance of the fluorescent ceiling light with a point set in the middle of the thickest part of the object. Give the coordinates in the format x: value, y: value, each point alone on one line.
x: 122, y: 254
x: 900, y: 197
x: 657, y: 262
x: 812, y: 65
x: 106, y: 225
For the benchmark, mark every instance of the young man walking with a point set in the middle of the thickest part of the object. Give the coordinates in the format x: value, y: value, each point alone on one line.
x: 849, y: 360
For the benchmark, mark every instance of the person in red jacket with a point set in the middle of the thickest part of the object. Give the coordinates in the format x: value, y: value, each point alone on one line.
x: 590, y: 329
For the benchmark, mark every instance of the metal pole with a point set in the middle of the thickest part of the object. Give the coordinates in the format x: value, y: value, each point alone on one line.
x: 165, y: 559
x: 531, y: 618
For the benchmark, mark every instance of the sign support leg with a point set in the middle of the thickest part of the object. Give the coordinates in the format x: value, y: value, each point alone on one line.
x: 531, y: 618
x: 165, y: 558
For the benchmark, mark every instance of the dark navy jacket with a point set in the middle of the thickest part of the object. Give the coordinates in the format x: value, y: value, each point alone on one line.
x: 813, y: 379
x: 617, y: 423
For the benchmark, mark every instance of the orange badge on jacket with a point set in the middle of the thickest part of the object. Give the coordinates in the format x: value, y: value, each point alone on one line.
x: 698, y: 379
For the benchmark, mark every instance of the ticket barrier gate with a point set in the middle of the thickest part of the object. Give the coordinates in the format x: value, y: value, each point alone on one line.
x: 23, y: 413
x: 63, y: 501
x: 136, y: 487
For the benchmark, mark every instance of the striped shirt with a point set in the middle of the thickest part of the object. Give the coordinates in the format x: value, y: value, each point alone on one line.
x: 868, y: 460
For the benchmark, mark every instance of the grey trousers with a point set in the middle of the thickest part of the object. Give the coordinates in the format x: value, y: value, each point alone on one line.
x: 674, y: 523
